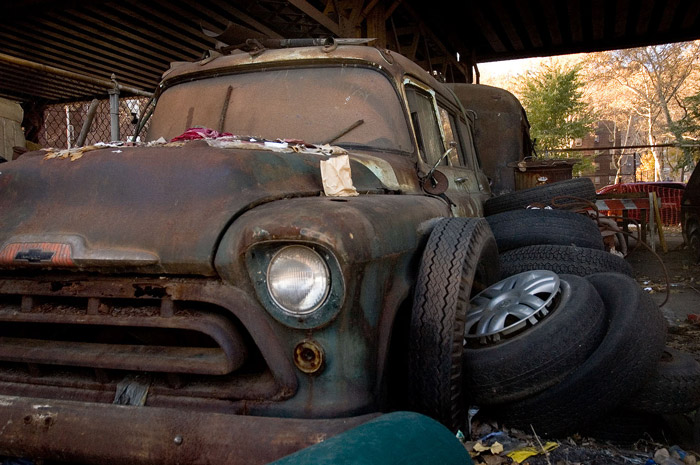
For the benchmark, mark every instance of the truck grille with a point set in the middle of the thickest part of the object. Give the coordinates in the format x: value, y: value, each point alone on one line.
x: 80, y: 338
x: 118, y: 334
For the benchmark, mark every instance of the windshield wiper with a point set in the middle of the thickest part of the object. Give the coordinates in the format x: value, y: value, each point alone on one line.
x: 344, y: 131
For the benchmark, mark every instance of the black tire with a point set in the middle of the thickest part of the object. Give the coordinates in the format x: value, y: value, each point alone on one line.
x: 674, y: 388
x: 625, y: 358
x: 520, y: 228
x: 569, y: 190
x: 542, y: 354
x: 461, y: 255
x: 562, y: 259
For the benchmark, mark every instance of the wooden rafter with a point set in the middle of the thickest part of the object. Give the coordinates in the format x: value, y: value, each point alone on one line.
x: 317, y: 15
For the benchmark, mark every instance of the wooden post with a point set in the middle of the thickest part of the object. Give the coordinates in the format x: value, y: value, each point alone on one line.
x: 659, y: 224
x: 652, y: 239
x: 376, y: 26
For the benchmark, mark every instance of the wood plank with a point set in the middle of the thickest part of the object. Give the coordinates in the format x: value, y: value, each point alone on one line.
x: 530, y: 24
x: 574, y: 9
x: 646, y: 8
x: 621, y: 18
x: 317, y: 15
x: 376, y: 26
x: 691, y: 15
x: 552, y: 21
x: 489, y: 32
x: 508, y: 26
x: 390, y: 11
x: 64, y: 56
x: 249, y: 20
x: 670, y: 9
x: 598, y: 18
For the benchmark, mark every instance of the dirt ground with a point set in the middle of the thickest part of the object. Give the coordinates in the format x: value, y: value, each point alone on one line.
x: 681, y: 277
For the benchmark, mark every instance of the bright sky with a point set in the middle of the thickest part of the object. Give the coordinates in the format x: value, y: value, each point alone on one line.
x: 498, y: 73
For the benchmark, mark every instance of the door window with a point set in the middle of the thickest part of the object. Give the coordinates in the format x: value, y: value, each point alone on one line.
x: 425, y: 122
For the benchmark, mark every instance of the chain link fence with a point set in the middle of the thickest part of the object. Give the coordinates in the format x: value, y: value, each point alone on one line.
x: 62, y: 123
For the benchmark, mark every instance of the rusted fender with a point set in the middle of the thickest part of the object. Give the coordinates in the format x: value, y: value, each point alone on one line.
x: 117, y: 434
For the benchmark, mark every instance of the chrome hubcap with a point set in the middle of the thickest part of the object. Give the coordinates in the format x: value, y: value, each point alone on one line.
x: 511, y: 305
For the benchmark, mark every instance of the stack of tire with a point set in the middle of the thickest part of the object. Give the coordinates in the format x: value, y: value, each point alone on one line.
x: 557, y: 339
x: 600, y: 350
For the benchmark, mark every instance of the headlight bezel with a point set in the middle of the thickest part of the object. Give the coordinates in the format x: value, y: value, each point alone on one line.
x: 258, y: 259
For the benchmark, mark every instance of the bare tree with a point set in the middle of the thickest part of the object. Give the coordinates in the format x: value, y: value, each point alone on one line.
x: 649, y: 82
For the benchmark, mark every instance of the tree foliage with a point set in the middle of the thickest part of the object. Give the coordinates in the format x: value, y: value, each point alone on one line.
x: 553, y: 99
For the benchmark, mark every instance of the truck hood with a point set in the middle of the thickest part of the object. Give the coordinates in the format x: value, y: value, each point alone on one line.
x: 144, y: 209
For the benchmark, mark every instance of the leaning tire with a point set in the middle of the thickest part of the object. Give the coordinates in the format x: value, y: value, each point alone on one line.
x: 674, y: 388
x: 562, y: 259
x: 520, y: 228
x: 503, y: 366
x: 625, y: 358
x: 461, y: 254
x: 571, y: 189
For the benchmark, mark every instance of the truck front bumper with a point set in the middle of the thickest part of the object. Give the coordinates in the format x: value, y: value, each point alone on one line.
x: 87, y: 432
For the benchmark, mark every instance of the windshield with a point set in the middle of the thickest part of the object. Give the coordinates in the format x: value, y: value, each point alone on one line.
x: 342, y: 105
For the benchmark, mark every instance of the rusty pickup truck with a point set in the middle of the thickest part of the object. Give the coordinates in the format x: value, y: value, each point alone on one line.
x: 202, y: 300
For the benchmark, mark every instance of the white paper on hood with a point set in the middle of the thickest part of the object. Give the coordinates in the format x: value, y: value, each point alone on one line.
x: 336, y: 177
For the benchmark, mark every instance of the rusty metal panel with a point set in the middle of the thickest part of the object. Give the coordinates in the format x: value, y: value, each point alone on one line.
x: 104, y: 303
x: 532, y: 173
x: 117, y: 434
x: 501, y: 131
x: 171, y: 203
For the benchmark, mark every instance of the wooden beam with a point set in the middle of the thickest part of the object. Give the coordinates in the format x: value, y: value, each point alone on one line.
x: 249, y: 20
x: 598, y: 18
x: 428, y: 34
x: 390, y: 11
x: 621, y: 18
x: 508, y: 26
x: 691, y: 15
x: 668, y: 15
x: 395, y: 35
x: 574, y: 8
x: 368, y: 9
x: 488, y: 31
x: 530, y: 24
x: 52, y: 46
x: 160, y: 30
x: 350, y: 17
x: 552, y: 21
x: 413, y: 48
x: 317, y: 16
x: 376, y: 26
x: 645, y: 8
x: 53, y: 55
x: 91, y: 80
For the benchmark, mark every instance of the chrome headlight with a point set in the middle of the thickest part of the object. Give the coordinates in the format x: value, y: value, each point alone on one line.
x: 298, y: 279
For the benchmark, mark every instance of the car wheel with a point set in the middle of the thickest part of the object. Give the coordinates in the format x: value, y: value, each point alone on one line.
x: 460, y: 258
x: 674, y: 388
x: 520, y: 228
x: 625, y: 358
x: 519, y: 338
x: 562, y: 259
x: 568, y: 190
